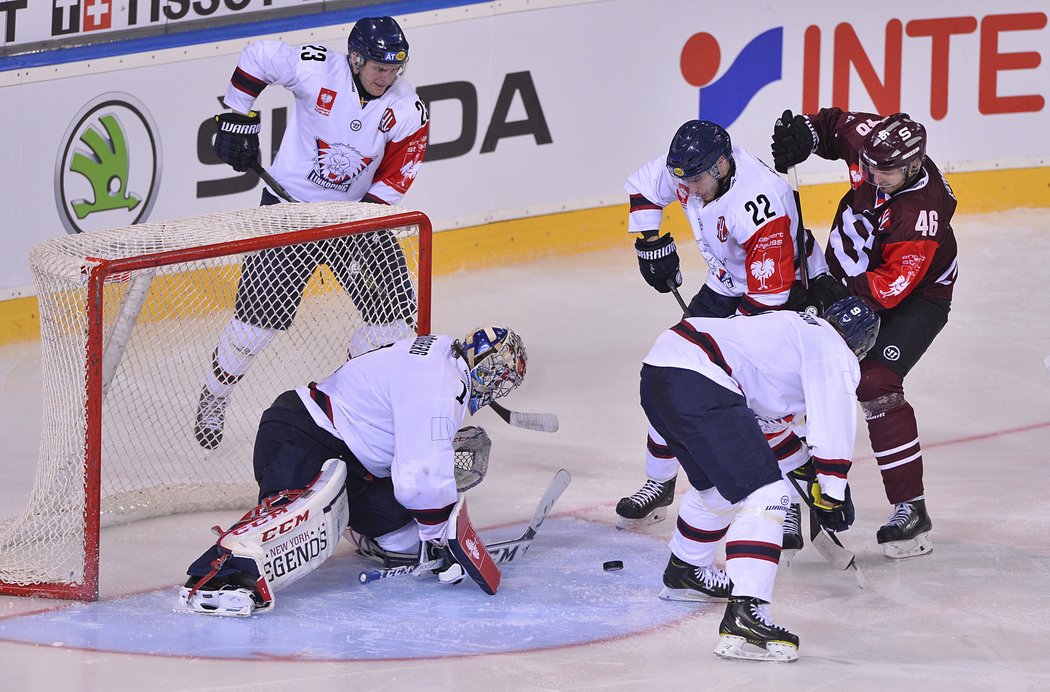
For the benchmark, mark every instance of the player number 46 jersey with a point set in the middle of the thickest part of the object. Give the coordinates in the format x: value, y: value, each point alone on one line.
x: 335, y: 148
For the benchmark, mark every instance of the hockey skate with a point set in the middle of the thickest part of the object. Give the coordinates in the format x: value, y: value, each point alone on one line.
x: 906, y: 533
x: 647, y: 506
x: 229, y: 597
x: 685, y: 582
x: 369, y: 549
x: 792, y: 541
x: 211, y: 416
x: 748, y: 633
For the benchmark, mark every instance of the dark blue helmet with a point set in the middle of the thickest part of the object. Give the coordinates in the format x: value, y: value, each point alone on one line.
x: 696, y: 148
x: 856, y: 322
x: 379, y: 39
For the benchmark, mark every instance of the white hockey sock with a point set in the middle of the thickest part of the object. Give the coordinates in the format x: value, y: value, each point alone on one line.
x: 702, y: 520
x: 403, y: 540
x: 754, y: 539
x: 238, y: 346
x: 660, y: 463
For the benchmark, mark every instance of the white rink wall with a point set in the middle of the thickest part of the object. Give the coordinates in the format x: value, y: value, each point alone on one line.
x: 537, y: 107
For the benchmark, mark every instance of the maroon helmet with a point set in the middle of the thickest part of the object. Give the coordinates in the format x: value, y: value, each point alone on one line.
x: 896, y: 144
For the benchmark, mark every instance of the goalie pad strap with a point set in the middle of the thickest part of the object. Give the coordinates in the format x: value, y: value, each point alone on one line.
x: 288, y: 542
x: 467, y: 548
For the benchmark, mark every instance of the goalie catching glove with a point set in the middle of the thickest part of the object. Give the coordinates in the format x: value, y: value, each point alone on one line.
x: 658, y: 262
x: 237, y: 141
x: 833, y: 514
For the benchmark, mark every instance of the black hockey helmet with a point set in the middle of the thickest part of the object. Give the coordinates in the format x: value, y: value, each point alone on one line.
x: 379, y: 39
x: 856, y: 322
x: 696, y: 148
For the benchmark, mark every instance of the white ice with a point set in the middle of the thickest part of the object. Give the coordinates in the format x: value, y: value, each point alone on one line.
x: 973, y: 615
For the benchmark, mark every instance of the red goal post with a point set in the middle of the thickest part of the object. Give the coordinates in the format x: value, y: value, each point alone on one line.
x: 129, y: 319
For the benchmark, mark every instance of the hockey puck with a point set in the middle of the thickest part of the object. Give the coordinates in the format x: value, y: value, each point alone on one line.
x: 612, y: 565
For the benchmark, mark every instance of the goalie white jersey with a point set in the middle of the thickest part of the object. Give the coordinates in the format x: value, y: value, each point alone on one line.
x: 336, y: 148
x: 747, y: 235
x: 783, y: 363
x: 416, y: 388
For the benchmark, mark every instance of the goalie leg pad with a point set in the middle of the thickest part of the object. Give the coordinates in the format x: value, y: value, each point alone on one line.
x: 467, y: 549
x: 279, y: 542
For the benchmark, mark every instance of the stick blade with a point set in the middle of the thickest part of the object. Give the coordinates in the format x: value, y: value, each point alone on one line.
x: 540, y: 422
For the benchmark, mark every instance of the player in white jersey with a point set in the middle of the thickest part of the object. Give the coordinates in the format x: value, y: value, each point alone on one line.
x: 369, y: 448
x: 744, y: 218
x: 358, y: 132
x: 702, y: 385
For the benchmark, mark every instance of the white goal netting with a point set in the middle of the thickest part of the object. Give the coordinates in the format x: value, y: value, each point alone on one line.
x: 125, y: 355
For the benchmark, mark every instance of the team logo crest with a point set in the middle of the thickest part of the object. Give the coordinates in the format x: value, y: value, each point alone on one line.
x: 338, y: 166
x: 723, y: 232
x: 762, y: 270
x: 387, y: 122
x: 325, y: 101
x: 855, y: 178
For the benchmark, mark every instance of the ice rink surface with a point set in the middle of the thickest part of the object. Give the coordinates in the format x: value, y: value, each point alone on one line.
x: 973, y: 615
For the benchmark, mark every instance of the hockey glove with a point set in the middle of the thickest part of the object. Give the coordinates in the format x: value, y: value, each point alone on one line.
x: 823, y: 291
x: 793, y: 141
x: 237, y: 141
x: 658, y: 262
x: 833, y: 515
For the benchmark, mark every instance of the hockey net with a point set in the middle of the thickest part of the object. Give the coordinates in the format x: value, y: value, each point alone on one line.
x: 129, y: 321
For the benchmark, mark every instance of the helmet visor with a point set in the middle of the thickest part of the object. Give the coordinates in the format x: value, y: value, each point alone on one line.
x: 886, y: 178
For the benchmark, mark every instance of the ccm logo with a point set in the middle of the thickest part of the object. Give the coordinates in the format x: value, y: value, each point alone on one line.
x: 274, y: 531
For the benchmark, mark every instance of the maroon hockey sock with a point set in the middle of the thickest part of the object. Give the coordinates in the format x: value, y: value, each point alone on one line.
x: 894, y: 436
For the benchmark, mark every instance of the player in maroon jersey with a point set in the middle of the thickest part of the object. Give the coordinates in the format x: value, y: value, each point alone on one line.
x: 891, y: 244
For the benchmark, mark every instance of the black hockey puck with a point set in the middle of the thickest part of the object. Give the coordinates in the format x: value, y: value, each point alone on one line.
x: 612, y: 565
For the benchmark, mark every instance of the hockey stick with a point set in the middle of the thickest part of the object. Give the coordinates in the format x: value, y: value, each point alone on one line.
x: 800, y: 234
x: 273, y: 184
x: 826, y: 542
x: 540, y: 422
x: 501, y: 551
x: 678, y: 297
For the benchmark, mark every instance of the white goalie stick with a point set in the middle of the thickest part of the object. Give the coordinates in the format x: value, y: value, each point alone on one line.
x: 540, y: 422
x: 826, y: 542
x: 501, y: 551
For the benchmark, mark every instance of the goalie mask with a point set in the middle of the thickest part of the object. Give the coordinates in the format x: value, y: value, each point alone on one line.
x: 496, y: 359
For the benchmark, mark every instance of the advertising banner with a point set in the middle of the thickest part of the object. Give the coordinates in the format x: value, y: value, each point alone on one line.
x: 535, y: 107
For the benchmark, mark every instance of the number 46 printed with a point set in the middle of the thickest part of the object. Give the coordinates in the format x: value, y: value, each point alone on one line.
x: 926, y: 224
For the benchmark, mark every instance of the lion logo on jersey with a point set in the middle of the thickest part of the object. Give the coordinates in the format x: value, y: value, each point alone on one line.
x: 763, y: 269
x: 338, y: 165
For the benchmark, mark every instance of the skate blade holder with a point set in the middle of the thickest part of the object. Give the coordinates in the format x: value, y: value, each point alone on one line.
x: 653, y: 517
x: 899, y: 550
x: 737, y: 648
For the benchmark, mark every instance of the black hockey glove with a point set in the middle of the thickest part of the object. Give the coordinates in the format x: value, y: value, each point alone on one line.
x: 833, y: 515
x: 823, y: 291
x: 237, y: 141
x: 793, y: 140
x: 658, y: 262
